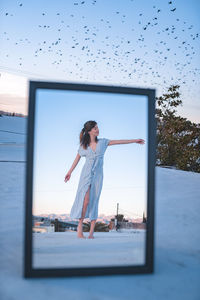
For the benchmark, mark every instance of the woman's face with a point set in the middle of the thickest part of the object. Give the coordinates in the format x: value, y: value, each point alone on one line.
x: 95, y: 130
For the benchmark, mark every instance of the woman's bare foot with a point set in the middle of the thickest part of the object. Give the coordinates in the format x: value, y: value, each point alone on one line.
x: 92, y: 229
x: 90, y: 236
x: 80, y: 232
x: 79, y: 235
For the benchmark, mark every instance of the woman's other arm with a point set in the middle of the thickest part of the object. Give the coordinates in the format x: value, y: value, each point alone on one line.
x: 117, y: 142
x: 68, y: 175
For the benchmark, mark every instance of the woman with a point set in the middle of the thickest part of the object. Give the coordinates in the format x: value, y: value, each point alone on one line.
x: 91, y: 179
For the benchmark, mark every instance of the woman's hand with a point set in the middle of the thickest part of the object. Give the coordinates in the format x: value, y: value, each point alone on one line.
x: 140, y: 141
x: 67, y: 177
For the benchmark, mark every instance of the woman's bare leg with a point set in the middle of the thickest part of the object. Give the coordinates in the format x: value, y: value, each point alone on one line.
x: 80, y: 229
x: 80, y: 224
x: 92, y: 229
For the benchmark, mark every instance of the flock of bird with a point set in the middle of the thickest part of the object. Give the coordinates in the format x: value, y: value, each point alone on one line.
x: 86, y: 50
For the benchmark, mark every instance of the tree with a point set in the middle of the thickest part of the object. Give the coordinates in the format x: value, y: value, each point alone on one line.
x: 178, y: 139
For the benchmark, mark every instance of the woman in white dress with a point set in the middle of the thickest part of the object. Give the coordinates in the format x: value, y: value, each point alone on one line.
x: 91, y: 178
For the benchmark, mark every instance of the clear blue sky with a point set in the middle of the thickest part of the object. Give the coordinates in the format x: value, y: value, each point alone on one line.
x: 60, y: 116
x: 139, y: 43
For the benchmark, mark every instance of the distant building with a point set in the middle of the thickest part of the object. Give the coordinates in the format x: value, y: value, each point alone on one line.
x: 42, y: 227
x: 125, y: 224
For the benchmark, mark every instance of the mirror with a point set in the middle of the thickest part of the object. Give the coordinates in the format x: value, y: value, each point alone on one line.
x: 119, y: 170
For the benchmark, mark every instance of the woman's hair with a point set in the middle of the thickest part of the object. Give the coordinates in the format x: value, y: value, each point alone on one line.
x: 84, y: 135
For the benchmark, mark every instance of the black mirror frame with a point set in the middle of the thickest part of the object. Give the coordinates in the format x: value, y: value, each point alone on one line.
x: 148, y: 267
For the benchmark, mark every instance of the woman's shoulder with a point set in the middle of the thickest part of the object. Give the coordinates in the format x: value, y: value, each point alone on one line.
x: 101, y: 140
x: 104, y: 139
x: 81, y: 147
x: 81, y: 150
x: 105, y: 142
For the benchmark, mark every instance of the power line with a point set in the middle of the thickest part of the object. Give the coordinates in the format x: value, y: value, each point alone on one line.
x: 27, y: 73
x: 16, y: 161
x: 13, y: 132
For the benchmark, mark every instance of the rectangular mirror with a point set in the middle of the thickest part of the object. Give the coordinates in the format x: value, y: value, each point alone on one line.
x: 116, y: 214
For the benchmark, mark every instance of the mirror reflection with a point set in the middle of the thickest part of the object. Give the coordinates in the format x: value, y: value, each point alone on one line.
x: 89, y: 179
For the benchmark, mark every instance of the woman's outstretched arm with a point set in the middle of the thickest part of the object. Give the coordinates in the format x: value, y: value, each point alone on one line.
x: 117, y: 142
x: 75, y: 162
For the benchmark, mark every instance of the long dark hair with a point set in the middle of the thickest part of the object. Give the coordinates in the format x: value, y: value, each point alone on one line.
x: 84, y: 135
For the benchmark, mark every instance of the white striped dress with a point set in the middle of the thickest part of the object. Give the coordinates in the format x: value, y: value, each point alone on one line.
x: 91, y: 174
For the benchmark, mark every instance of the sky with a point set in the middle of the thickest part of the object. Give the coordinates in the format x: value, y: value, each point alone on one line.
x: 147, y: 44
x: 59, y: 118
